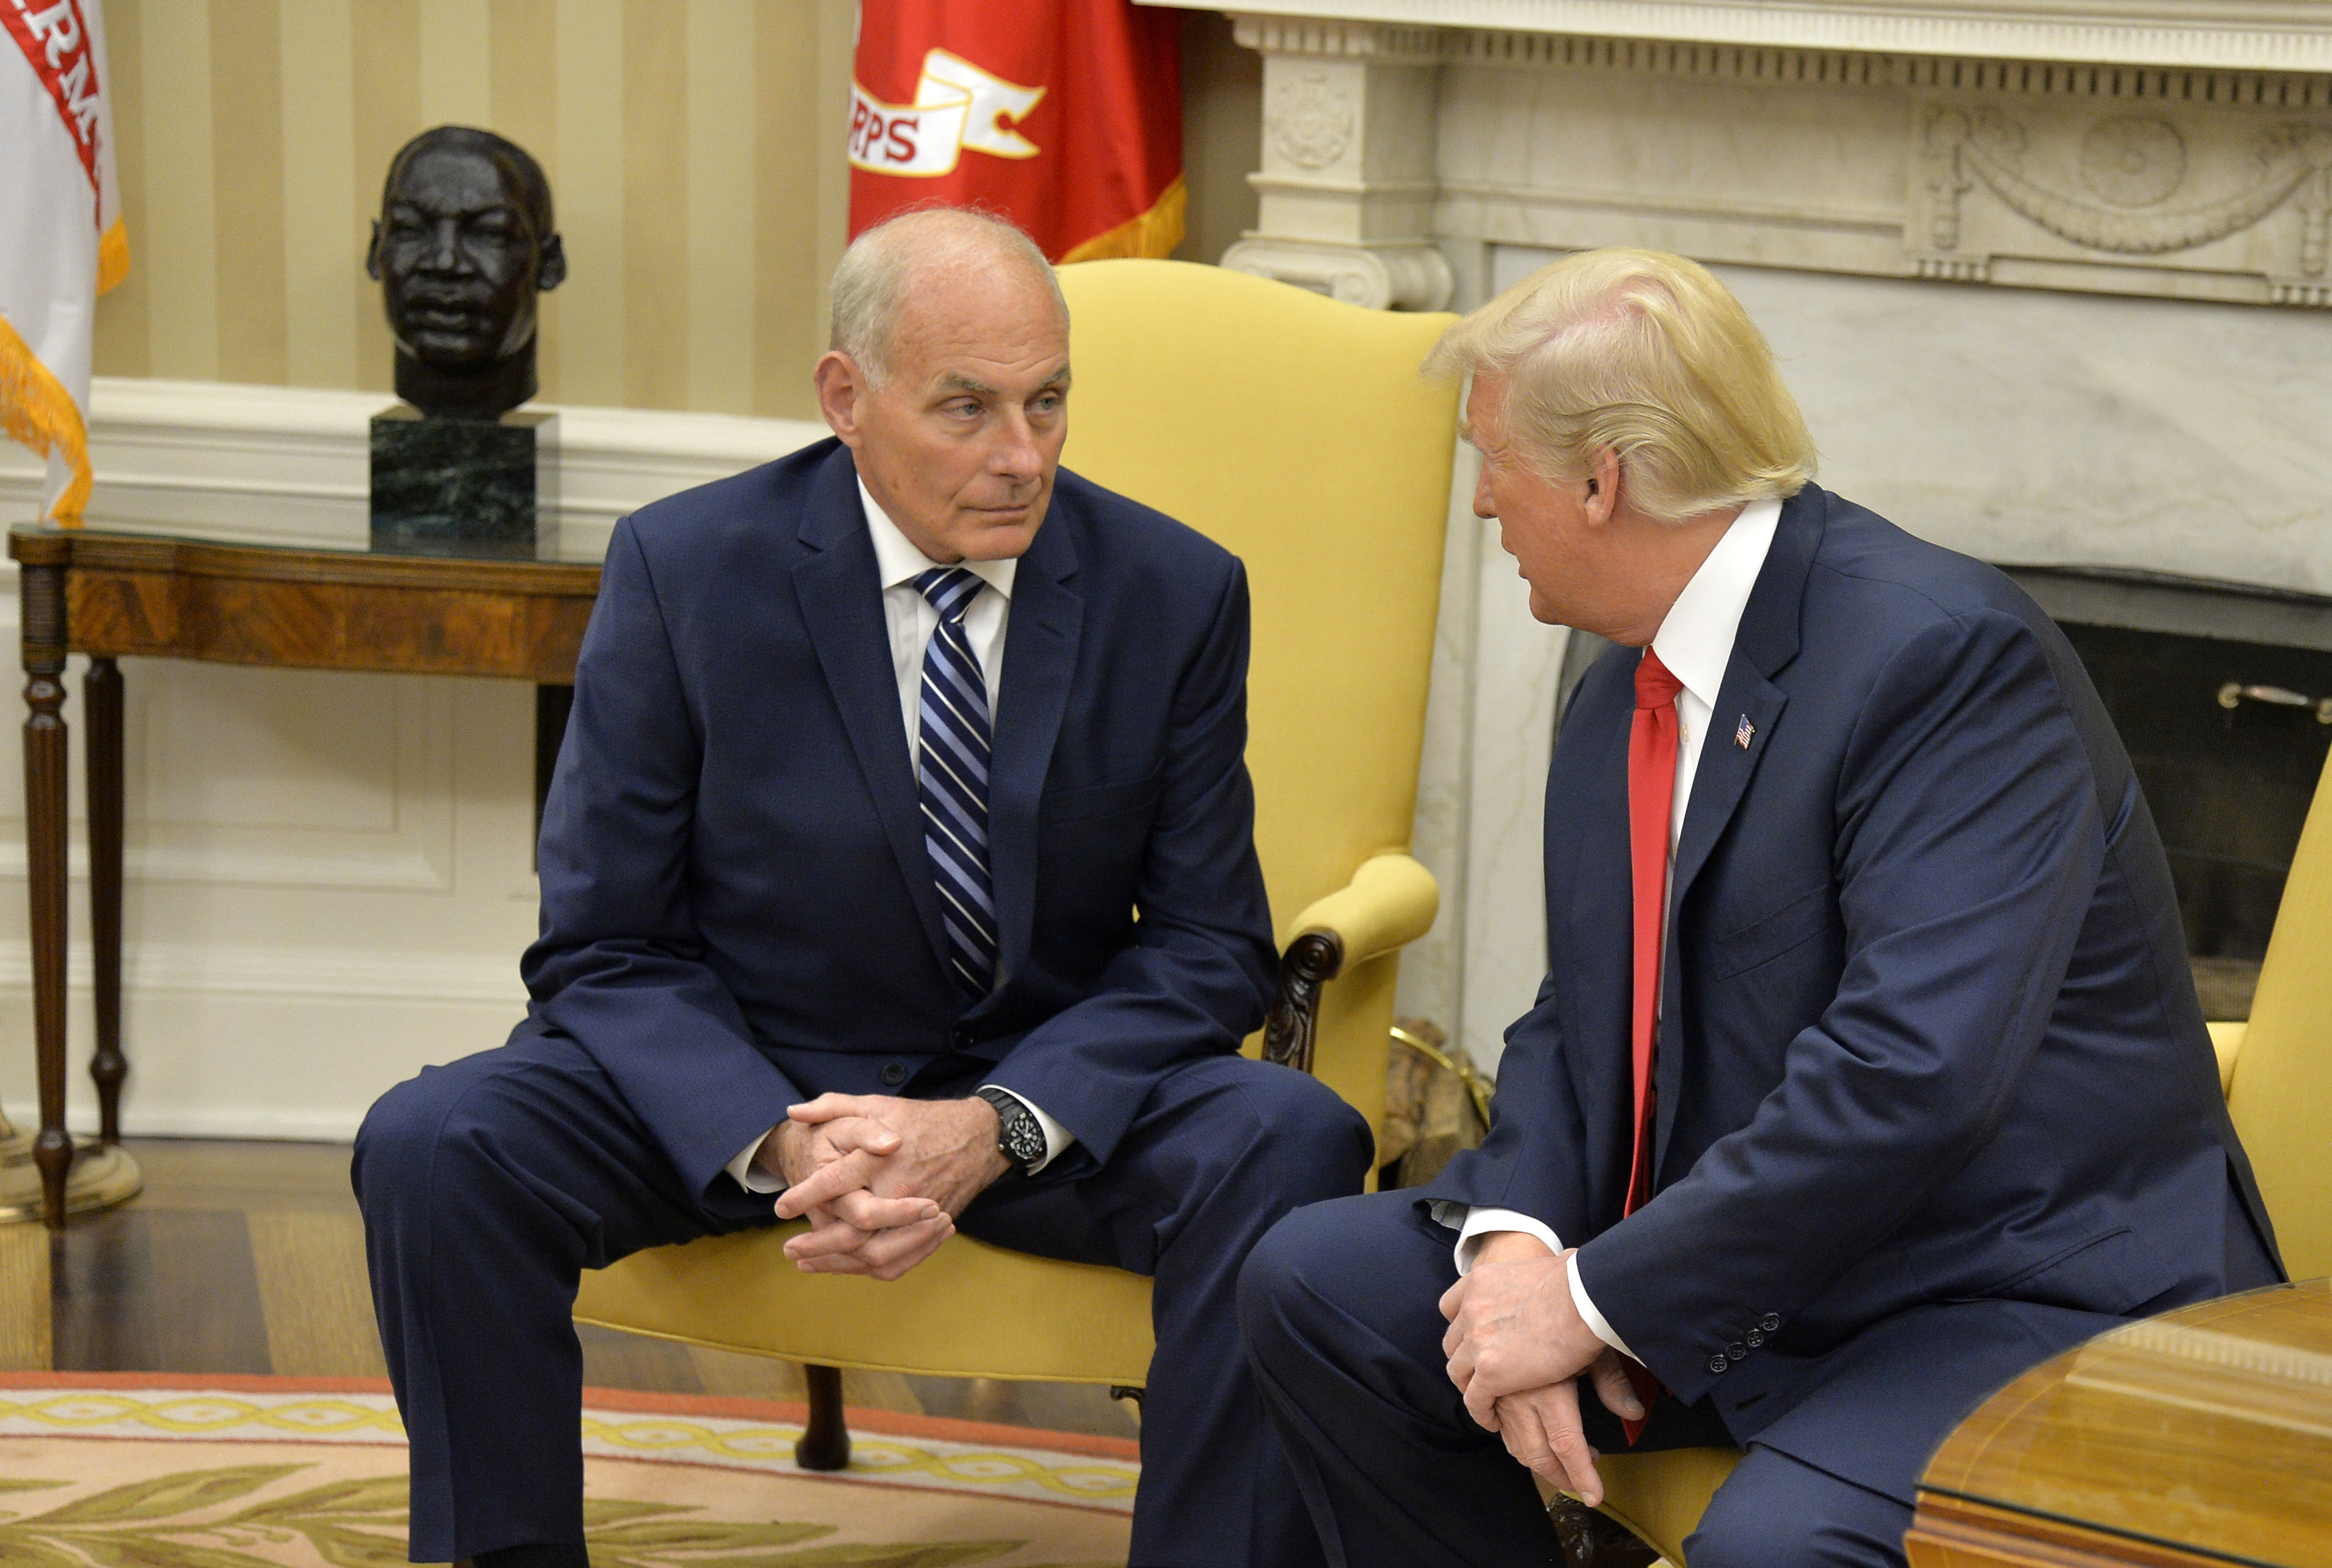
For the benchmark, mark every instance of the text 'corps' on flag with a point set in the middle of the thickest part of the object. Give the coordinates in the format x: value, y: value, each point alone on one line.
x: 62, y: 243
x: 1064, y: 116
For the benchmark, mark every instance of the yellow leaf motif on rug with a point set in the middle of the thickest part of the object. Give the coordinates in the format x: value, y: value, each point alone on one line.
x: 243, y: 1478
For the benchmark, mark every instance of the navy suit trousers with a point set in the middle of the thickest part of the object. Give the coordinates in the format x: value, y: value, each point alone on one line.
x: 1339, y: 1305
x: 1339, y: 1308
x: 489, y: 1184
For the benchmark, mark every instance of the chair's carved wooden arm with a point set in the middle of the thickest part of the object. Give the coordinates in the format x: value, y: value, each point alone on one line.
x: 1311, y: 960
x: 1390, y: 902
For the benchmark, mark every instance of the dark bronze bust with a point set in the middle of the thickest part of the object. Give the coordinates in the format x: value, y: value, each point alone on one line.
x: 464, y: 243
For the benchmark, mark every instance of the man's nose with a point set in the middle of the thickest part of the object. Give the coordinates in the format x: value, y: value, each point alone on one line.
x: 1016, y: 455
x: 1484, y: 507
x: 445, y: 248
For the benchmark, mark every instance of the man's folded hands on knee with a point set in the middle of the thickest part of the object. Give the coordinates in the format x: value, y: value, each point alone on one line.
x: 1517, y: 1345
x: 880, y: 1179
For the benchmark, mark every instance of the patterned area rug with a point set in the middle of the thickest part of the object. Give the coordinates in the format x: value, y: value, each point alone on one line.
x: 131, y: 1470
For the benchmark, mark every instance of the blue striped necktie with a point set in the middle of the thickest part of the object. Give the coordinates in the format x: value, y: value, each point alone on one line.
x: 953, y: 768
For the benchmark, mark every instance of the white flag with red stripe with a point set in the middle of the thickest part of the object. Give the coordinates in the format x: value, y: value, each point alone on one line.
x: 62, y: 243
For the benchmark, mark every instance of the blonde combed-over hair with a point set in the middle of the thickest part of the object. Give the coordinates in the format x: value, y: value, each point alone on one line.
x: 1649, y: 355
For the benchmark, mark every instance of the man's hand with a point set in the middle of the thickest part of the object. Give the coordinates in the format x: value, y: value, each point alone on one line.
x: 1541, y: 1430
x: 1515, y: 1344
x: 939, y: 1155
x: 1512, y: 1325
x: 883, y: 1232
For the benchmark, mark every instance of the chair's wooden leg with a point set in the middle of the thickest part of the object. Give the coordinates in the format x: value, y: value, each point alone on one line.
x: 826, y: 1440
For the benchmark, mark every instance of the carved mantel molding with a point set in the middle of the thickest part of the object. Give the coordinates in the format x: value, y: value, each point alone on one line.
x: 2177, y: 148
x: 2238, y: 34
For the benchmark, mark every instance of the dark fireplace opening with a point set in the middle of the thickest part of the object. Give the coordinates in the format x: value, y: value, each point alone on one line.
x: 2222, y: 694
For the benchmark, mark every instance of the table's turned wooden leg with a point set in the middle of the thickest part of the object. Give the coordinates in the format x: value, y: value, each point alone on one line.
x: 101, y: 699
x: 43, y: 606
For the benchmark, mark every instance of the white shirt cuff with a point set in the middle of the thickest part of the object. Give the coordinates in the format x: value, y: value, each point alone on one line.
x: 1592, y: 1319
x: 747, y: 1177
x: 1057, y: 1138
x: 1480, y: 1223
x: 1472, y: 1225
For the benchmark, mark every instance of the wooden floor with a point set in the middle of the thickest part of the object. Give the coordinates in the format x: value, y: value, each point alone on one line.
x: 249, y: 1257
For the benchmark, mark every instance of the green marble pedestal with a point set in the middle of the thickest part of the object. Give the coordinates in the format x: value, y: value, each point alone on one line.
x: 462, y: 487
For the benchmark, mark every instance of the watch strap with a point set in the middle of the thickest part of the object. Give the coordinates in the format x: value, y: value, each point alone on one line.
x: 1017, y: 1128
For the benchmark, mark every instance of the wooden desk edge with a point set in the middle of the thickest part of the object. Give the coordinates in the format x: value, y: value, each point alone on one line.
x: 1954, y: 1527
x: 1951, y: 1531
x: 34, y: 545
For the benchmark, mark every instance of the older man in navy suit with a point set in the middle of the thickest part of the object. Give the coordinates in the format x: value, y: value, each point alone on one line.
x: 897, y: 873
x: 1868, y: 1071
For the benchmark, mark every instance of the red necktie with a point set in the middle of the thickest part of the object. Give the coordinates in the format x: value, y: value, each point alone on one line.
x: 1651, y: 797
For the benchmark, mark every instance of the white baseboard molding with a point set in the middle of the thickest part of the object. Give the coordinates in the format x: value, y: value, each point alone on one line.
x: 255, y: 1123
x: 154, y: 969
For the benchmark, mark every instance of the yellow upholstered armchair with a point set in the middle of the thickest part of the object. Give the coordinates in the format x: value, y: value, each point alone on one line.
x: 1295, y: 432
x: 2277, y: 1072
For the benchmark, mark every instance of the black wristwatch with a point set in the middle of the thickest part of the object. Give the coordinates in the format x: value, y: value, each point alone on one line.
x: 1019, y: 1137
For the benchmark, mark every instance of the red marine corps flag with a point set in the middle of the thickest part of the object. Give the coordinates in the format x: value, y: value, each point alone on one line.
x: 1064, y: 116
x: 62, y: 243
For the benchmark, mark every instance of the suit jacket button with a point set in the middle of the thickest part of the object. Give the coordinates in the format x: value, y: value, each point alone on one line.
x: 1719, y: 1363
x: 1771, y: 1323
x: 1736, y: 1351
x: 894, y: 1073
x: 1754, y: 1338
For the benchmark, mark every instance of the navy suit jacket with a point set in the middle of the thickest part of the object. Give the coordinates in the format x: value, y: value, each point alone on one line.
x: 1929, y: 1046
x: 738, y: 911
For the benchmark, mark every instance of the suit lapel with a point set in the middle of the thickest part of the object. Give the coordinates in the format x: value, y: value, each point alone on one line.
x: 839, y: 591
x: 1766, y: 641
x: 1040, y: 656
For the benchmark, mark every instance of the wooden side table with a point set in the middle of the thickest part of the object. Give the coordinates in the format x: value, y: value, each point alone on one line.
x: 110, y: 596
x: 2202, y: 1437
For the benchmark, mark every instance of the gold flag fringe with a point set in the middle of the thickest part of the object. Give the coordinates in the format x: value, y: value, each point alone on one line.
x: 1153, y: 233
x: 112, y: 257
x: 36, y: 409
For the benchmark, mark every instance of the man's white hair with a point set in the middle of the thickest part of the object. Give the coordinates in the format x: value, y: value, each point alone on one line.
x: 880, y: 268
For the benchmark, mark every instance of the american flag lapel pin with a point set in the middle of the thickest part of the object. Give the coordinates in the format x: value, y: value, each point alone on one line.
x: 1745, y: 734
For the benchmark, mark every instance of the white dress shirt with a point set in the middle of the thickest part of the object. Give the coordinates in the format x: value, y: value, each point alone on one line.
x: 1696, y: 642
x: 911, y: 619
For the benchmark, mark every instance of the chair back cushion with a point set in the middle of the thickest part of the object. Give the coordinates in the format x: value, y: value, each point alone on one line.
x: 2281, y: 1096
x: 1294, y: 432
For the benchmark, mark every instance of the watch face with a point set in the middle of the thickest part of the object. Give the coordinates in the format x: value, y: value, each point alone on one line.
x: 1023, y: 1140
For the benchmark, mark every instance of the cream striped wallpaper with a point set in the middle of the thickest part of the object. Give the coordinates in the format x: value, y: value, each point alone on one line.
x: 692, y: 148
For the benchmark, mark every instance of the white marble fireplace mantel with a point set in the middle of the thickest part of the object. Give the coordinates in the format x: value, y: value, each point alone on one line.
x: 2177, y: 149
x: 2051, y: 278
x: 2240, y: 34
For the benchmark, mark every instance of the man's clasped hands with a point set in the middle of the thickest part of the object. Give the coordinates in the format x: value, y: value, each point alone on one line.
x: 880, y: 1179
x: 1516, y: 1344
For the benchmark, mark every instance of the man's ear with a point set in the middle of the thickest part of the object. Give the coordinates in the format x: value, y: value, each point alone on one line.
x: 550, y: 267
x: 840, y: 385
x: 1602, y: 486
x: 372, y: 253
